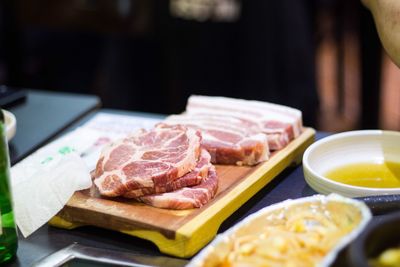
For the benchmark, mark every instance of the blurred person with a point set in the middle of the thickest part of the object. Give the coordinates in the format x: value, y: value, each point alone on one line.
x: 386, y: 14
x: 249, y: 49
x: 277, y: 54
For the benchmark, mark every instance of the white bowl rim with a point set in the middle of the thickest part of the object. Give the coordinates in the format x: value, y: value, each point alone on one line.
x: 341, y: 135
x: 11, y: 124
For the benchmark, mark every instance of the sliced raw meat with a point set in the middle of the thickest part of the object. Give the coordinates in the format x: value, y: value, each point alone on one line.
x: 187, y: 197
x: 147, y: 159
x: 280, y: 123
x: 228, y: 139
x: 190, y: 179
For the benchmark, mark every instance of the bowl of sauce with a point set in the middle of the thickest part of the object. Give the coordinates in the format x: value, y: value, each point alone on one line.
x: 374, y: 175
x: 354, y: 163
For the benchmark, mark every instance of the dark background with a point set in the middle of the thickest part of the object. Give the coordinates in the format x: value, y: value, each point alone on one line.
x: 135, y: 55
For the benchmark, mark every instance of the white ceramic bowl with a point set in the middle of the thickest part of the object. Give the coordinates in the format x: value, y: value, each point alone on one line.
x: 347, y: 148
x: 11, y: 124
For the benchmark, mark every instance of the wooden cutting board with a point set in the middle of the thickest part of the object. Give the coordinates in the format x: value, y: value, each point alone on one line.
x: 181, y: 233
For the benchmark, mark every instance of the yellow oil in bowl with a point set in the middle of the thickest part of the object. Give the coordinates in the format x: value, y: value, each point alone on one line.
x: 375, y: 175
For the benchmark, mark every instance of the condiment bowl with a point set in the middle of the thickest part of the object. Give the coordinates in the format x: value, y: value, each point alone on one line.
x: 349, y: 148
x: 380, y: 235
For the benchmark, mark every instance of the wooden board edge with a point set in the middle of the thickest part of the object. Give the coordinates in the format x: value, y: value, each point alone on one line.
x: 176, y: 246
x: 60, y: 222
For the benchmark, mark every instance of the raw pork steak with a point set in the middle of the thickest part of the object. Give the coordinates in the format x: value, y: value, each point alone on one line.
x: 190, y: 179
x: 147, y: 159
x: 187, y: 197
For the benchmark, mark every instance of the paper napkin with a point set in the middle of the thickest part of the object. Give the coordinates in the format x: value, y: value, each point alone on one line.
x: 44, y: 182
x: 41, y: 191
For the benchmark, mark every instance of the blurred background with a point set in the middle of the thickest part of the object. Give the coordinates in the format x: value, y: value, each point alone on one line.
x: 323, y: 57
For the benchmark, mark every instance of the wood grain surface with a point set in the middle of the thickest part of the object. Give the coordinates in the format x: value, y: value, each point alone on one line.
x: 181, y: 233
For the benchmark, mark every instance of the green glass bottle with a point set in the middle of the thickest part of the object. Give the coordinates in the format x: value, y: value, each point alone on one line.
x: 8, y: 231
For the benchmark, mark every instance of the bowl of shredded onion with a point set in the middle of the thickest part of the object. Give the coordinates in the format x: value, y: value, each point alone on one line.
x: 308, y: 231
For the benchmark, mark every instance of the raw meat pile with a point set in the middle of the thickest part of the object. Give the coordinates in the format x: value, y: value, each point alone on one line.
x: 170, y: 166
x: 164, y: 167
x: 240, y: 132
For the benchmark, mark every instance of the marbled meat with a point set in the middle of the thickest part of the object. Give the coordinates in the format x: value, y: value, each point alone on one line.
x: 190, y: 179
x: 147, y: 159
x: 187, y: 197
x: 280, y: 123
x: 228, y: 139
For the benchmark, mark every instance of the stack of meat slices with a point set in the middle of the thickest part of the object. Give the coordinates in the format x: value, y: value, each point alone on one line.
x: 164, y: 167
x: 229, y: 140
x: 237, y: 131
x: 280, y: 123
